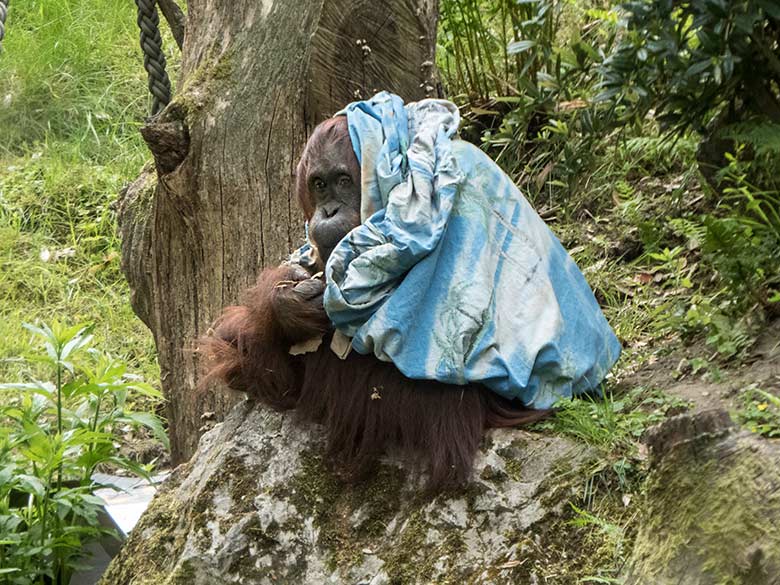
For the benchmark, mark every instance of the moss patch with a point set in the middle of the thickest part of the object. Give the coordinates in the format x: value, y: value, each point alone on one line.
x: 200, y: 87
x: 709, y: 515
x: 146, y: 557
x: 350, y: 517
x: 239, y: 480
x: 412, y: 560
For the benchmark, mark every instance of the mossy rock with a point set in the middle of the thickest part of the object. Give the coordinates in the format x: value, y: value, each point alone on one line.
x: 259, y: 504
x: 711, y: 514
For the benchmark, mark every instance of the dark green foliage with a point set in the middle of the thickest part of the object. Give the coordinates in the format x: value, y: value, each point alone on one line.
x: 691, y: 60
x: 567, y: 97
x: 526, y: 72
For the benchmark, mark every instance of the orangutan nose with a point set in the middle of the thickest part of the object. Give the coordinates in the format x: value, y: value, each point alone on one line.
x: 331, y: 209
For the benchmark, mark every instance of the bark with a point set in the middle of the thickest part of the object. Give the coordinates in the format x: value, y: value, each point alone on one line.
x: 256, y: 76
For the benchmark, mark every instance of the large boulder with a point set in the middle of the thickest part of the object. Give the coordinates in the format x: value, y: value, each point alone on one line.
x: 257, y: 504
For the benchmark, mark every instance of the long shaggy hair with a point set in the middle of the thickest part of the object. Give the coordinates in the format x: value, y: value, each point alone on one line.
x: 366, y: 406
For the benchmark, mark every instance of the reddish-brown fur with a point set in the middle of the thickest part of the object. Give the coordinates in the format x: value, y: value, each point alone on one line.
x: 366, y: 406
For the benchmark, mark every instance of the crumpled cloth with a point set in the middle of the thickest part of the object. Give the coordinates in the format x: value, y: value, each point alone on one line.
x: 452, y: 275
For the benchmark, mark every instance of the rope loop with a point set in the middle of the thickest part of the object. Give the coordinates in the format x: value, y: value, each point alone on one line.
x: 3, y: 14
x: 154, y: 58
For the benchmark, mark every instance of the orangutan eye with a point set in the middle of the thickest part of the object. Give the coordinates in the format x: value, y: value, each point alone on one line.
x: 345, y: 181
x: 319, y: 184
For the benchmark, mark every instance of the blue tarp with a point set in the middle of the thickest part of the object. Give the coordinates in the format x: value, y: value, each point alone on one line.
x: 452, y: 275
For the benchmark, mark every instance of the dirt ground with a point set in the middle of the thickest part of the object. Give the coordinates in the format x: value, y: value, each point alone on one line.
x: 715, y: 385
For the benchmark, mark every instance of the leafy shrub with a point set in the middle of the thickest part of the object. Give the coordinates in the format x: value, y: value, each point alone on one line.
x: 53, y: 435
x: 739, y: 243
x: 690, y: 60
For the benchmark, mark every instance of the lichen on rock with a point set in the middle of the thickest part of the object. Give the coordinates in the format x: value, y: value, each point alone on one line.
x: 712, y: 506
x: 259, y: 504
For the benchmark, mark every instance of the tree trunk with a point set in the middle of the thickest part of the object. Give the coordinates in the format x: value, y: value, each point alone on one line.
x: 256, y: 76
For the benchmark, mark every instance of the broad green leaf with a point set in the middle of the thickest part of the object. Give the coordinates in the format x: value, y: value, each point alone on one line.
x: 516, y: 47
x: 46, y: 389
x: 150, y: 421
x: 44, y: 333
x: 771, y: 7
x: 31, y: 484
x: 146, y: 390
x: 697, y: 68
x: 79, y: 341
x: 132, y: 466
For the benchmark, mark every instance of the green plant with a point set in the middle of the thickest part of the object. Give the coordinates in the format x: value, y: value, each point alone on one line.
x: 673, y: 262
x: 614, y: 537
x: 759, y: 411
x: 53, y: 435
x: 691, y: 60
x: 738, y: 244
x: 728, y: 334
x: 758, y: 208
x: 525, y: 70
x: 612, y: 425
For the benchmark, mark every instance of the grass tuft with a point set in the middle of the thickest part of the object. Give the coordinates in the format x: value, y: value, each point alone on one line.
x: 72, y: 98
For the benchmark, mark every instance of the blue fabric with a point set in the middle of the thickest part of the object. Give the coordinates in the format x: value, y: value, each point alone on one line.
x: 452, y: 275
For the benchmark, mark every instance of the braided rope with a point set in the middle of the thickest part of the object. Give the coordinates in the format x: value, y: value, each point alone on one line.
x: 3, y: 14
x: 154, y: 59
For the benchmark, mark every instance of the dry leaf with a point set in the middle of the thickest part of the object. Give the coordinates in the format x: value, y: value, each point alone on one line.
x: 644, y: 278
x: 341, y: 344
x: 577, y: 104
x: 308, y: 346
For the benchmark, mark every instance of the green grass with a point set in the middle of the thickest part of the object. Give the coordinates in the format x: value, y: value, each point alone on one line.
x: 612, y: 424
x: 72, y: 70
x: 72, y: 98
x: 82, y: 288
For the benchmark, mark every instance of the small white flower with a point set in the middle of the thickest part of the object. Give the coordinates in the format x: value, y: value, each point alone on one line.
x: 45, y: 255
